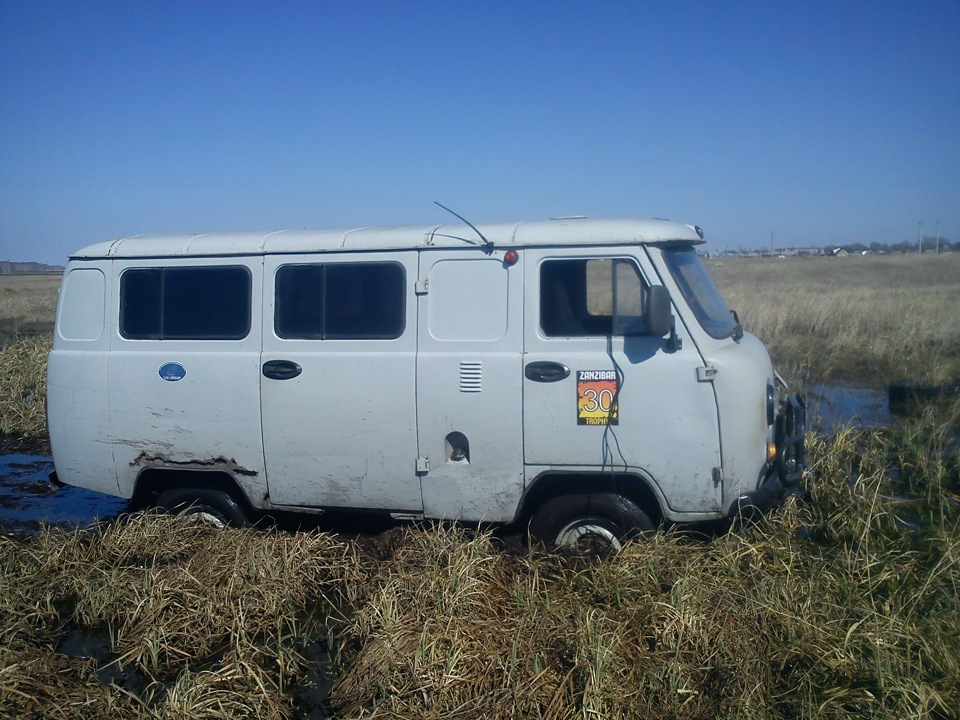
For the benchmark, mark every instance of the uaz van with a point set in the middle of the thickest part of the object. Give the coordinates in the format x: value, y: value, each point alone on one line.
x: 581, y: 378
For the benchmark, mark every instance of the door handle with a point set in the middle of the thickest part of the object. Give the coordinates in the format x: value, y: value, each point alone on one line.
x: 281, y: 369
x: 545, y: 371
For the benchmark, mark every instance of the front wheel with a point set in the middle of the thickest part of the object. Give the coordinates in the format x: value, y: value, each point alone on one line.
x: 210, y: 507
x: 593, y: 524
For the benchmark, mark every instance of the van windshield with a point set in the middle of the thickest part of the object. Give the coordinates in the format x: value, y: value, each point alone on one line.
x: 700, y: 292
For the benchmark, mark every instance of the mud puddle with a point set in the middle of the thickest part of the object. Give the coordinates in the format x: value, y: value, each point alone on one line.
x: 28, y: 500
x: 830, y: 407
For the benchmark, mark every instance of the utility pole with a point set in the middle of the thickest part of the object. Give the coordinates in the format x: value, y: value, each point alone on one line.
x: 771, y: 243
x: 938, y: 236
x: 920, y: 237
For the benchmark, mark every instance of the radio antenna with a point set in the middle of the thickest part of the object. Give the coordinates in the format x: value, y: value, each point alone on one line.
x: 487, y: 245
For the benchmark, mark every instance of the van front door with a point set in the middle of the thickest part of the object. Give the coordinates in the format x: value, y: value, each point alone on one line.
x: 337, y: 381
x: 599, y: 397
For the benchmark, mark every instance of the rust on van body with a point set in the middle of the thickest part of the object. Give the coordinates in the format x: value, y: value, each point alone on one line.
x: 145, y: 459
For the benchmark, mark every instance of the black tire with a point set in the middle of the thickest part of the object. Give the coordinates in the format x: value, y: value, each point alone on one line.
x: 214, y: 507
x: 596, y: 523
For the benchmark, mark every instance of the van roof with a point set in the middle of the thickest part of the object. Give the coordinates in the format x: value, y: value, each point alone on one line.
x: 560, y: 231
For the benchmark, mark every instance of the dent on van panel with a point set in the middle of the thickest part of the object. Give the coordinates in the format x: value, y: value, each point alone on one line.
x: 145, y: 459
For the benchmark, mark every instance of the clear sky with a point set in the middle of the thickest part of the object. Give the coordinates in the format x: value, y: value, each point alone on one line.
x: 820, y: 122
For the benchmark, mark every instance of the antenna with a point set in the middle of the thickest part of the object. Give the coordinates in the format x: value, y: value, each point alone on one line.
x: 487, y: 245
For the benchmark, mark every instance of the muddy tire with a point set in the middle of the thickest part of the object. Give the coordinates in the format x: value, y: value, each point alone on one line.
x: 212, y: 507
x: 592, y: 524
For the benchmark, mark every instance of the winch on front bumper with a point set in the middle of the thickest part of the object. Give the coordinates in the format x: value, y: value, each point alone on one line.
x: 784, y: 474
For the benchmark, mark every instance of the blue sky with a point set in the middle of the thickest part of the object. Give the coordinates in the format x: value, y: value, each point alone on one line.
x: 820, y: 122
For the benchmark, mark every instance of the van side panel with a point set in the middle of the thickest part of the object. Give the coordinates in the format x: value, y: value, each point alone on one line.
x: 469, y: 391
x: 186, y: 404
x: 77, y: 406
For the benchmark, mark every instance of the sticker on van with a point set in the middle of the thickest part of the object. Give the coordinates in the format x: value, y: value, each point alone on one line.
x: 172, y: 371
x: 597, y: 397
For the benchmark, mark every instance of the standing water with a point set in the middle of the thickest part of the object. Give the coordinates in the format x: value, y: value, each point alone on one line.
x: 832, y: 406
x: 28, y: 500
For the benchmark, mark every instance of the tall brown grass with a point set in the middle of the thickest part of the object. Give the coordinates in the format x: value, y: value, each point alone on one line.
x: 23, y: 386
x: 174, y: 621
x: 868, y: 319
x: 28, y: 303
x: 830, y: 608
x: 27, y: 309
x: 842, y: 605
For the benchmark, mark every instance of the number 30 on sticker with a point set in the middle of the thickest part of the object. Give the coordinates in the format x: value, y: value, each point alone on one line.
x: 597, y: 397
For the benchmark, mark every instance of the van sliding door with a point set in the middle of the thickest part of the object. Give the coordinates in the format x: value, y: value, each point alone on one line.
x: 337, y: 381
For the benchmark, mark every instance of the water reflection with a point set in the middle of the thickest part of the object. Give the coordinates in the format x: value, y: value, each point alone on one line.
x: 832, y: 406
x: 28, y: 499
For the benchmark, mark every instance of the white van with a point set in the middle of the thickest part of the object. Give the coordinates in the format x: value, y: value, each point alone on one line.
x: 580, y: 377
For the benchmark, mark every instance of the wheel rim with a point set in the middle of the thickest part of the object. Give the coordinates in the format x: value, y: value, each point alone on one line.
x: 203, y: 517
x: 588, y: 535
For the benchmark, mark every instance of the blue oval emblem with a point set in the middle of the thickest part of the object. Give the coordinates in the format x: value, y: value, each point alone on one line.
x: 172, y: 371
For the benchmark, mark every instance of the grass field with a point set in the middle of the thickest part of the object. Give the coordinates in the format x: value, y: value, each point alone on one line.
x: 28, y: 304
x: 863, y: 319
x: 845, y: 604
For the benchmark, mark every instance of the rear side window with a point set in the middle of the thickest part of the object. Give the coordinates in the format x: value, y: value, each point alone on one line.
x: 192, y: 303
x: 340, y: 301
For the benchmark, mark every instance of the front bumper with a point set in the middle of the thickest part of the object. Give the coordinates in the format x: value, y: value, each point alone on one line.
x: 785, y: 474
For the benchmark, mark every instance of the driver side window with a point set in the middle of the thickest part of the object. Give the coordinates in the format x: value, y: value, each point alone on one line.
x: 591, y: 297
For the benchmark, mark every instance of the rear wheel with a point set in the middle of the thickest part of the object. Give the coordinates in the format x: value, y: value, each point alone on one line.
x: 593, y: 524
x: 211, y: 507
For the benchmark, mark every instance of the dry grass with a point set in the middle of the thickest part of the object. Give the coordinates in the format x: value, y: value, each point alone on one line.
x: 845, y: 605
x: 829, y: 609
x: 869, y: 319
x: 28, y: 303
x: 181, y: 621
x: 23, y: 386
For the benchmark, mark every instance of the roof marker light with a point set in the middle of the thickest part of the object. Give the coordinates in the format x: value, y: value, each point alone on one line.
x: 510, y: 257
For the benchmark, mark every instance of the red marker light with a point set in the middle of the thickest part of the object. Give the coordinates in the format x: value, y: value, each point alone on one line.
x: 510, y: 257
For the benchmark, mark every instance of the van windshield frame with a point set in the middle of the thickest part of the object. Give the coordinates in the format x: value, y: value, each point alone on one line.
x: 700, y: 292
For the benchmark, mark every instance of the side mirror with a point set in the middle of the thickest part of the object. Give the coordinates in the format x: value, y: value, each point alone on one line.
x: 658, y: 318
